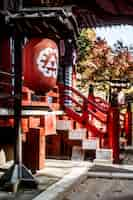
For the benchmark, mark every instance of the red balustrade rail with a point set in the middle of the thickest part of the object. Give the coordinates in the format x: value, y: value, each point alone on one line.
x: 96, y: 107
x: 104, y: 104
x: 93, y: 103
x: 88, y: 111
x: 88, y: 108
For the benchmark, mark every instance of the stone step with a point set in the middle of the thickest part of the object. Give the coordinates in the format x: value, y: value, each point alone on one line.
x: 90, y: 144
x: 104, y: 154
x: 102, y: 161
x: 63, y: 125
x: 77, y: 134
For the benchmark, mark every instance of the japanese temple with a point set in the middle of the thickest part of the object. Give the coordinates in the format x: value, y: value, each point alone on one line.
x: 37, y: 84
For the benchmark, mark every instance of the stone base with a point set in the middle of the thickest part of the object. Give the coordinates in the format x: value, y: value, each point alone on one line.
x: 77, y: 153
x: 104, y: 154
x: 102, y: 161
x: 90, y: 144
x: 63, y: 125
x: 77, y: 134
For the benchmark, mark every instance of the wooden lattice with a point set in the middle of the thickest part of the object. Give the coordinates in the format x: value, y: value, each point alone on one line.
x: 9, y: 4
x: 49, y: 3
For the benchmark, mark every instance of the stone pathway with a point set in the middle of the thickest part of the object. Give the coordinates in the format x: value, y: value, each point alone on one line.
x: 61, y: 177
x: 54, y: 171
x: 28, y: 194
x: 102, y: 189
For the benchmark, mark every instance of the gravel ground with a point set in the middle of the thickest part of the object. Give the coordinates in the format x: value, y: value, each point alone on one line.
x: 89, y: 189
x: 54, y: 171
x: 102, y: 189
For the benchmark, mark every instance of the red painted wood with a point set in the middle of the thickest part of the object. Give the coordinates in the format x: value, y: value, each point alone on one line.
x: 34, y: 149
x: 128, y: 126
x: 49, y: 123
x: 113, y: 132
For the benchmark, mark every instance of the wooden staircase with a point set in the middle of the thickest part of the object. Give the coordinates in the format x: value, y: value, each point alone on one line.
x: 93, y: 114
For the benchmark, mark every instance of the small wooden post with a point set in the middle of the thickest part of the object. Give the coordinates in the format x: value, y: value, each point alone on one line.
x: 128, y: 124
x: 84, y: 112
x: 91, y: 108
x: 90, y: 98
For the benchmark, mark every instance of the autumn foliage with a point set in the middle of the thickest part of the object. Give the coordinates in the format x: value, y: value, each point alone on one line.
x: 97, y: 60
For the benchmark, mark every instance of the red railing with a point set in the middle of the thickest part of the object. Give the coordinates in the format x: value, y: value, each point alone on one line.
x: 92, y: 110
x: 80, y: 110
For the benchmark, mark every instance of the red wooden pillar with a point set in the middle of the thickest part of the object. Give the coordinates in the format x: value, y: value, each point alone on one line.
x: 128, y: 124
x: 113, y: 132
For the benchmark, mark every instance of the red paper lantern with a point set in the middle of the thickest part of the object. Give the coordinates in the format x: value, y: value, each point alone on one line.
x: 40, y: 64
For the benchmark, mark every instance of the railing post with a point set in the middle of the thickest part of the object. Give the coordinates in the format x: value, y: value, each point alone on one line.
x: 91, y: 90
x: 113, y: 128
x: 91, y: 107
x: 90, y: 98
x: 128, y: 124
x: 84, y: 112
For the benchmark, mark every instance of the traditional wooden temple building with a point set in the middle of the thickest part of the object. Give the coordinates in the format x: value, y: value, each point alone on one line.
x: 37, y: 77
